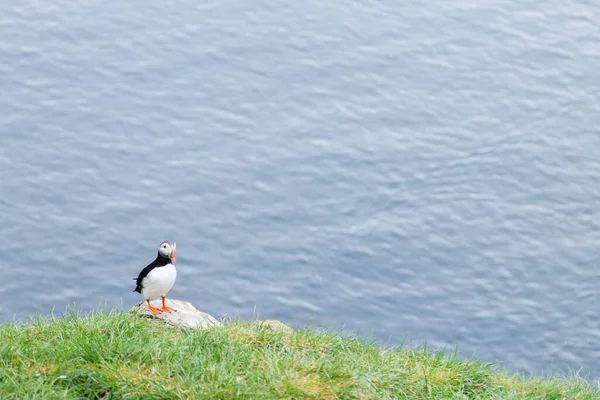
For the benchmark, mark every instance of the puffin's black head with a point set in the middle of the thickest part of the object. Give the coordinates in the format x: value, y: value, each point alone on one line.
x: 167, y: 250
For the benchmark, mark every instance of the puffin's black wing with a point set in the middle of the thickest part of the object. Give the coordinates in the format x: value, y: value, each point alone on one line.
x: 141, y: 276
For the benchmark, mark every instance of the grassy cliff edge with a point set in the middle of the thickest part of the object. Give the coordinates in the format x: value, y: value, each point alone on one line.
x: 117, y: 355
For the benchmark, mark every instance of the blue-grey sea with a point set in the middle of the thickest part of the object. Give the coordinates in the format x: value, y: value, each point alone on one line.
x: 417, y: 172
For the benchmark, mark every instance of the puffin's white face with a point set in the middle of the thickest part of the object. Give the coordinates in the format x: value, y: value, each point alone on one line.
x: 167, y: 250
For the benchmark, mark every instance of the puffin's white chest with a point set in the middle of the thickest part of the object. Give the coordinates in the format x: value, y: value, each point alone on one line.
x: 159, y: 281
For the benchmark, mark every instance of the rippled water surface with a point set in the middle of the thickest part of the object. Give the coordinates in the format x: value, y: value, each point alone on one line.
x: 428, y: 170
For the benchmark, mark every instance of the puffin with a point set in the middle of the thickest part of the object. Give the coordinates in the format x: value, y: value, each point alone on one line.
x: 158, y: 277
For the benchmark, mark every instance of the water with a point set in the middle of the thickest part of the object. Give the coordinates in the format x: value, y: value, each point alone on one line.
x: 427, y: 170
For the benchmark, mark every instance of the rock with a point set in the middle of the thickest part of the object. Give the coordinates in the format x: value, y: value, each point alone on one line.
x: 275, y: 325
x: 186, y: 316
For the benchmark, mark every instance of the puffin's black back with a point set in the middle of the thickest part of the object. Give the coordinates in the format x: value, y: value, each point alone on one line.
x: 160, y: 261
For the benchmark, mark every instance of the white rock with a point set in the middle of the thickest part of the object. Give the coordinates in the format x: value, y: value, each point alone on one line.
x: 274, y: 324
x: 186, y: 316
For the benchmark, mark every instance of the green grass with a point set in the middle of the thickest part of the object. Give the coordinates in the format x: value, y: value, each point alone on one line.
x: 115, y: 355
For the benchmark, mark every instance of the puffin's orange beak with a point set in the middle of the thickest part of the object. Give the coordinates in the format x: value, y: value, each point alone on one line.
x: 174, y: 252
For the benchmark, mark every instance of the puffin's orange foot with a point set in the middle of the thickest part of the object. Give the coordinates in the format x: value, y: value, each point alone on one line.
x: 165, y: 308
x: 153, y: 309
